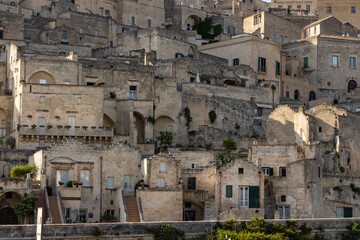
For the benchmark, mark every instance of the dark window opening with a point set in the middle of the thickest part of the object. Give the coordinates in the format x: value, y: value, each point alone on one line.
x: 282, y: 171
x: 241, y: 170
x: 283, y: 198
x: 191, y: 183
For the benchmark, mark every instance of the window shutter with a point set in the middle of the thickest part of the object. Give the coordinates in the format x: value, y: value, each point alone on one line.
x: 253, y: 196
x: 306, y: 61
x: 271, y: 171
x: 229, y: 191
x: 259, y: 63
x: 264, y: 70
x: 348, y: 212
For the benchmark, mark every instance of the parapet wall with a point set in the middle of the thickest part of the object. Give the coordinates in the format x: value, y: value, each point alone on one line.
x: 333, y: 229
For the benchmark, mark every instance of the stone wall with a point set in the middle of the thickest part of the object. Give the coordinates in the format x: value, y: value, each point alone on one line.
x: 333, y: 229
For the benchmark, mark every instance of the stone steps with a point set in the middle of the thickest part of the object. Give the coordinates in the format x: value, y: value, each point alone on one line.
x: 54, y: 209
x: 132, y: 209
x: 41, y: 202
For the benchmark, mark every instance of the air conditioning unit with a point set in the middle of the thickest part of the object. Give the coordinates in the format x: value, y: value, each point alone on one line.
x: 255, y: 143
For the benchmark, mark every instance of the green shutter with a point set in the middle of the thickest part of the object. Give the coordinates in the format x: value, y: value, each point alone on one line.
x: 234, y: 61
x: 253, y: 196
x: 278, y: 68
x: 271, y: 171
x: 264, y: 65
x: 229, y: 191
x: 306, y: 61
x: 348, y: 212
x: 259, y: 64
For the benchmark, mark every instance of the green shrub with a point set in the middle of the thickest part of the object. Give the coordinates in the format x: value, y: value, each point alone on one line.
x: 165, y: 232
x: 353, y: 233
x: 98, y: 231
x: 49, y: 126
x: 112, y: 95
x: 229, y: 145
x: 26, y: 206
x: 69, y: 184
x: 33, y: 126
x: 208, y: 146
x: 192, y: 133
x: 107, y: 217
x: 22, y: 171
x: 151, y: 120
x: 337, y: 188
x: 166, y: 138
x: 354, y: 188
x: 187, y: 115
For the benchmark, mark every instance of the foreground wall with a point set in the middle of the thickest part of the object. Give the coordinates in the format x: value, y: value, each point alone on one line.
x: 333, y: 229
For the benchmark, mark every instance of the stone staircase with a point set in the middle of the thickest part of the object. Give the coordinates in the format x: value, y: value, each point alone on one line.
x: 132, y: 209
x: 41, y: 202
x: 54, y: 209
x: 268, y: 200
x: 209, y: 210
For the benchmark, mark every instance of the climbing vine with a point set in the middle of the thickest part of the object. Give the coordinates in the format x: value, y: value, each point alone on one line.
x: 188, y: 117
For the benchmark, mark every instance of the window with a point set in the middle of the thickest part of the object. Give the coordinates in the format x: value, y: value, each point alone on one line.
x: 110, y: 182
x: 320, y: 129
x: 262, y: 64
x: 41, y: 142
x: 308, y: 8
x: 289, y: 7
x: 67, y: 83
x: 329, y: 84
x: 229, y: 192
x: 347, y: 33
x: 132, y: 20
x: 62, y: 176
x: 132, y: 92
x: 243, y: 197
x: 241, y: 170
x: 282, y: 171
x: 344, y: 212
x: 161, y: 182
x: 257, y: 20
x: 283, y: 198
x: 353, y: 9
x: 79, y: 100
x: 96, y: 33
x: 163, y: 167
x: 191, y: 183
x: 306, y: 62
x: 352, y: 62
x: 191, y: 5
x: 72, y: 121
x: 149, y: 23
x: 319, y: 172
x: 81, y: 30
x: 41, y: 121
x: 107, y: 12
x: 64, y: 34
x: 42, y: 81
x: 8, y: 195
x: 281, y: 39
x: 2, y: 132
x: 273, y: 37
x: 193, y: 165
x: 85, y: 177
x: 111, y: 212
x: 259, y: 112
x: 42, y: 99
x: 328, y: 9
x: 1, y: 34
x: 236, y: 62
x: 284, y: 212
x: 101, y: 11
x: 192, y: 79
x: 298, y: 6
x: 335, y: 62
x: 278, y: 68
x: 188, y: 27
x: 128, y: 183
x: 267, y: 171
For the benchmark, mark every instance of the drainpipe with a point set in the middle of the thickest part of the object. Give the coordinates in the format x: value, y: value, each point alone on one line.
x: 101, y: 183
x: 219, y: 210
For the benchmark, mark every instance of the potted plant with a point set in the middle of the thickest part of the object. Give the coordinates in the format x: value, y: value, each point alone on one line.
x: 67, y: 127
x: 49, y: 126
x: 59, y: 126
x: 61, y: 184
x: 33, y: 126
x: 85, y: 127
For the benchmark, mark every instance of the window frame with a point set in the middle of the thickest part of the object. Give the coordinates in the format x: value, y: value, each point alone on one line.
x: 333, y: 62
x: 87, y: 182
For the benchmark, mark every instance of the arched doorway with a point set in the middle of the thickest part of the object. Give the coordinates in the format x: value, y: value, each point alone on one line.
x: 297, y: 95
x: 8, y: 217
x: 2, y: 122
x: 139, y: 122
x: 312, y: 96
x: 352, y: 85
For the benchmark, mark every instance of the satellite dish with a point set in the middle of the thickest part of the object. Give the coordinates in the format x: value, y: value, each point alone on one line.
x: 312, y: 111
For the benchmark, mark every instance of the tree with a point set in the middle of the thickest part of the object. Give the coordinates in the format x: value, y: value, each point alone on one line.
x: 22, y: 171
x: 165, y: 138
x: 207, y: 29
x: 229, y: 145
x: 25, y: 207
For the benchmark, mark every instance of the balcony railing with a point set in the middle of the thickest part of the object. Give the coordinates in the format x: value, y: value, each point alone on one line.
x: 66, y: 131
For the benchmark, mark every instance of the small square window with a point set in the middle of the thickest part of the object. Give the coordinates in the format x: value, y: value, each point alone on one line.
x: 111, y: 202
x: 42, y: 81
x: 81, y: 30
x: 67, y: 83
x: 96, y: 33
x: 42, y: 99
x: 328, y: 9
x: 329, y: 84
x: 283, y: 198
x: 282, y: 171
x: 353, y: 9
x: 107, y: 12
x: 241, y: 170
x: 79, y: 100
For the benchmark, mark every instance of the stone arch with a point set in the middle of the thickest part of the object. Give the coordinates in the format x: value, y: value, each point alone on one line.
x: 196, y: 207
x: 190, y: 22
x: 312, y: 96
x: 297, y: 94
x: 164, y: 123
x: 108, y: 122
x: 192, y: 52
x: 139, y: 122
x: 2, y: 122
x: 35, y: 78
x: 8, y: 201
x: 352, y: 85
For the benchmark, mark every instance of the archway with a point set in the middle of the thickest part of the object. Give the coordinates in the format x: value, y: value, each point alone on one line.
x: 297, y: 95
x: 352, y: 85
x: 42, y: 77
x: 164, y: 123
x: 192, y: 52
x: 190, y: 22
x: 8, y: 217
x: 193, y: 210
x: 2, y: 122
x: 139, y: 121
x: 108, y: 122
x: 7, y: 203
x: 312, y: 96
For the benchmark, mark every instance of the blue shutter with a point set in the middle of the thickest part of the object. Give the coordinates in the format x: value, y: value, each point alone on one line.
x: 229, y: 191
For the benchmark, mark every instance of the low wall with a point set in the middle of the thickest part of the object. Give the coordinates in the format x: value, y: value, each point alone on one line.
x: 333, y: 229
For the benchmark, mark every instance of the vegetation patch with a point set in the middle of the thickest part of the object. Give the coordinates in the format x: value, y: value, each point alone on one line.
x: 22, y: 171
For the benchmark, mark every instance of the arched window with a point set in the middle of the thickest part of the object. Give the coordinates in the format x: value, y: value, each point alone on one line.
x: 312, y: 96
x: 352, y: 85
x: 297, y: 95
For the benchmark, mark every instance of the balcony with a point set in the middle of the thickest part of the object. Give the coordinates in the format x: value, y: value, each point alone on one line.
x: 66, y: 131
